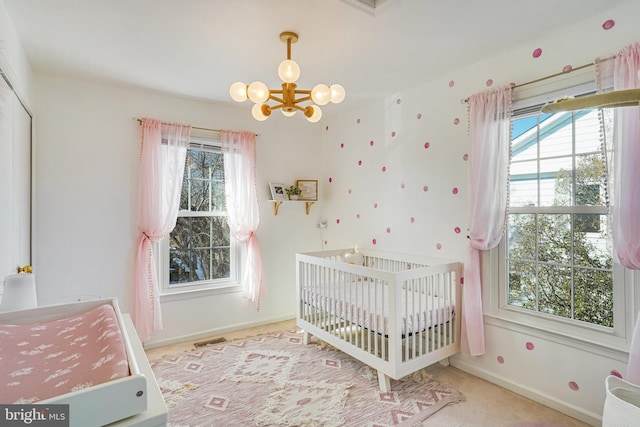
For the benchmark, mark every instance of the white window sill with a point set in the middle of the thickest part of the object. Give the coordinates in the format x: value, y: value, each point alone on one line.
x: 186, y: 293
x: 585, y: 339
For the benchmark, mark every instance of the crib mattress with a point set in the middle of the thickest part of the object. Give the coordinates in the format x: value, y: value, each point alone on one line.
x: 365, y: 303
x: 42, y: 360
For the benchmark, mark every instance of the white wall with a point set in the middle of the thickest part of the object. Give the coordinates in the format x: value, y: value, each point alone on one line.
x: 87, y: 165
x: 398, y: 214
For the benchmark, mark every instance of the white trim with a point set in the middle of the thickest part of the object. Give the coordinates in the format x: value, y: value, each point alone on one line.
x: 550, y: 401
x: 218, y: 331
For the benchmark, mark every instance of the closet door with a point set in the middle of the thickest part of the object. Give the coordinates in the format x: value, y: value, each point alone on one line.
x: 15, y: 182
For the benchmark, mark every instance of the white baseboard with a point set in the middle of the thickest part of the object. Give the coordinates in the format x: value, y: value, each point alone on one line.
x: 216, y: 331
x: 533, y: 394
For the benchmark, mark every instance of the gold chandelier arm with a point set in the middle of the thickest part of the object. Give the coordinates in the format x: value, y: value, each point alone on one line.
x: 275, y: 98
x: 306, y: 98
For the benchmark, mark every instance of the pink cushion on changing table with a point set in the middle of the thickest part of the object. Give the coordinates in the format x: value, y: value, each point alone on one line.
x: 42, y: 360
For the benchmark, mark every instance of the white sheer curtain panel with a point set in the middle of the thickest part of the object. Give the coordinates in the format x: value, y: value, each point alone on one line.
x: 239, y: 150
x: 490, y: 133
x: 162, y: 161
x: 624, y: 203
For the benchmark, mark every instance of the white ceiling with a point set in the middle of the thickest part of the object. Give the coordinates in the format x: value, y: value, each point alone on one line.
x: 197, y: 48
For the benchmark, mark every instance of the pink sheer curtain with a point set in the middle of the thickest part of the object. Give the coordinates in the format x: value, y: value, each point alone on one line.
x: 162, y: 160
x: 239, y: 150
x: 625, y: 200
x: 490, y: 132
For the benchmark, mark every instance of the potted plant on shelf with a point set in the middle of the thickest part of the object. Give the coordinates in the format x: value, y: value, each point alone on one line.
x: 293, y: 192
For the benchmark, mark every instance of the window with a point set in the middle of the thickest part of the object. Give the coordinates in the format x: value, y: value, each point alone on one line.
x: 557, y: 258
x: 199, y: 252
x: 554, y: 267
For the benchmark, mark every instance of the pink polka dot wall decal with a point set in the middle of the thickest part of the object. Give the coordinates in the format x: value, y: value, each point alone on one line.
x: 574, y: 386
x: 425, y: 188
x: 438, y: 246
x: 455, y: 190
x: 451, y: 83
x: 330, y: 180
x: 349, y: 191
x: 456, y: 121
x: 567, y: 68
x: 402, y: 185
x: 465, y: 157
x: 384, y: 169
x: 462, y: 280
x: 457, y: 230
x: 537, y: 52
x: 375, y: 206
x: 419, y: 116
x: 427, y: 145
x: 371, y: 143
x: 529, y: 345
x: 342, y: 145
x: 359, y: 162
x: 615, y: 373
x: 388, y: 230
x: 489, y: 83
x: 357, y: 216
x: 338, y: 221
x: 500, y: 359
x: 358, y: 121
x: 608, y: 24
x: 412, y: 220
x: 374, y: 241
x: 326, y: 128
x: 393, y: 134
x: 398, y: 101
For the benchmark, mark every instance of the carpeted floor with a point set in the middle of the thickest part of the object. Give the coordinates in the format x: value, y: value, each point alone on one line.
x: 485, y: 404
x: 276, y: 380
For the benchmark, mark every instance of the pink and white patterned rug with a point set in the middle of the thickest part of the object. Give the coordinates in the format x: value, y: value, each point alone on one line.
x: 275, y: 380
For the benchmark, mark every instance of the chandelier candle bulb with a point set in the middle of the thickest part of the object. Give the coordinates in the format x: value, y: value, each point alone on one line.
x: 321, y: 94
x: 238, y: 92
x: 287, y: 98
x: 289, y: 71
x: 258, y: 92
x: 337, y: 93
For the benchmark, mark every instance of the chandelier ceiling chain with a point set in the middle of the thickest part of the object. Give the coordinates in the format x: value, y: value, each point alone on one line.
x: 287, y: 98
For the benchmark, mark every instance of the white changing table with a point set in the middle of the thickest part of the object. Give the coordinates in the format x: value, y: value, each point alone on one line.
x: 156, y: 414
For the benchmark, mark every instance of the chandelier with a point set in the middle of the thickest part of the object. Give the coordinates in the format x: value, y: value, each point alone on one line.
x: 289, y: 96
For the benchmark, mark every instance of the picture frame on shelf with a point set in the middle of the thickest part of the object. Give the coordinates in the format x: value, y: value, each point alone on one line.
x: 309, y: 189
x: 277, y: 192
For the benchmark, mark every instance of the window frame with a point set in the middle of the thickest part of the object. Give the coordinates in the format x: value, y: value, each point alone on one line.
x: 610, y: 342
x: 212, y: 286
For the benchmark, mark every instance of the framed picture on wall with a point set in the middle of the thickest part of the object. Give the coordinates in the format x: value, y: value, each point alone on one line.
x: 277, y: 191
x: 309, y: 189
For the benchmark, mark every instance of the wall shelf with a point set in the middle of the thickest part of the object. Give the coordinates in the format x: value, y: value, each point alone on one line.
x: 277, y: 203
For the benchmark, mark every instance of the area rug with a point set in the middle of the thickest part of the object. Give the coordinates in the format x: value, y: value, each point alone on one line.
x: 276, y: 380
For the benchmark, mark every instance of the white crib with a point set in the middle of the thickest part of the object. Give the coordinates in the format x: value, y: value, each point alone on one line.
x: 395, y: 313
